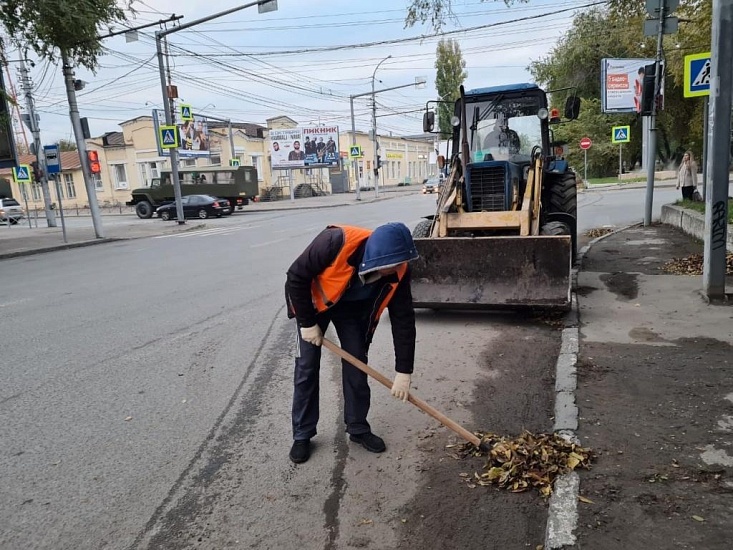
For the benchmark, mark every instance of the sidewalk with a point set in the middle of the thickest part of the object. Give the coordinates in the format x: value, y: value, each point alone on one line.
x: 20, y: 240
x: 655, y: 395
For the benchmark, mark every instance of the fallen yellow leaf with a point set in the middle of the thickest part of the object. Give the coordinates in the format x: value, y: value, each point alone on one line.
x: 698, y: 518
x: 584, y: 499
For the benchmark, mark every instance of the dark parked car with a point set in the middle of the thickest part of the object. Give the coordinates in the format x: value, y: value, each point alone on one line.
x: 196, y: 206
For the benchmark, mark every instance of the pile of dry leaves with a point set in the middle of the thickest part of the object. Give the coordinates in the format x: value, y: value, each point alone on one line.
x: 598, y: 232
x: 523, y: 462
x: 692, y: 265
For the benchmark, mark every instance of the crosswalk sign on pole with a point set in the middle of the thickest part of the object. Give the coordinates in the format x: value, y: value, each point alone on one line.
x: 355, y: 152
x: 234, y: 163
x: 168, y: 137
x: 186, y: 112
x: 22, y: 173
x: 697, y: 75
x: 621, y: 134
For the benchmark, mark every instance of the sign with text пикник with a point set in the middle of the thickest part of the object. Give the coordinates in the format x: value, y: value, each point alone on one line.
x: 621, y: 84
x: 304, y: 147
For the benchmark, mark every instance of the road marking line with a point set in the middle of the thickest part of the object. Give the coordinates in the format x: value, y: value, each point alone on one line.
x: 259, y: 245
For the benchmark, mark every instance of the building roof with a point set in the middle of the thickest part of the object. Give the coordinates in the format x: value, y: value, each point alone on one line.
x: 69, y: 161
x: 113, y: 139
x: 249, y: 129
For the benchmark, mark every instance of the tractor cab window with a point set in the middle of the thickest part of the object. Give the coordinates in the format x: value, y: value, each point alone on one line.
x: 504, y: 129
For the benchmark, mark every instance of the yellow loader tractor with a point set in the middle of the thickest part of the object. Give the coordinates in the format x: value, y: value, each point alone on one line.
x: 504, y: 232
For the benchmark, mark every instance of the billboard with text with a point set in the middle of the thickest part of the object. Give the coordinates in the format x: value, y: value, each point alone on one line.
x: 621, y: 84
x: 193, y: 135
x: 304, y: 147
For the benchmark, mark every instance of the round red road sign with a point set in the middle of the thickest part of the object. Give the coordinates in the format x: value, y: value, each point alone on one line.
x: 585, y: 143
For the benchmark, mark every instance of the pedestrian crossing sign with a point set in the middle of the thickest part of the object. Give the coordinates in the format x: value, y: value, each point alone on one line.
x: 22, y: 173
x: 168, y: 137
x: 355, y: 152
x: 621, y: 134
x: 697, y: 75
x: 186, y: 113
x: 234, y: 163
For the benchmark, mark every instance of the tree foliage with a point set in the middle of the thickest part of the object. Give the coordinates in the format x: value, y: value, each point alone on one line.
x: 617, y: 32
x: 450, y: 74
x: 50, y: 26
x: 67, y: 145
x: 437, y: 11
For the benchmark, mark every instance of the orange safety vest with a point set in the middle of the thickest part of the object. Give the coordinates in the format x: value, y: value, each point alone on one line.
x: 329, y: 286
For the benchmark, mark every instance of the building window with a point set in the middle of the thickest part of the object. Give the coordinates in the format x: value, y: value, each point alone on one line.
x: 59, y: 188
x: 399, y: 170
x: 36, y: 191
x: 69, y: 184
x: 189, y: 162
x: 215, y: 159
x: 119, y: 172
x: 23, y: 192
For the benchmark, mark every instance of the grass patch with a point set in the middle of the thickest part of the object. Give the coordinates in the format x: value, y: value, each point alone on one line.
x: 599, y: 181
x: 700, y: 207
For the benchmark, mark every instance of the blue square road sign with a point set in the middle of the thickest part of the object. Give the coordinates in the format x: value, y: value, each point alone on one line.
x: 621, y: 134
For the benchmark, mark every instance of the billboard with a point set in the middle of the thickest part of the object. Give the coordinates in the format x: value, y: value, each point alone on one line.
x: 621, y: 84
x: 193, y: 135
x: 304, y: 147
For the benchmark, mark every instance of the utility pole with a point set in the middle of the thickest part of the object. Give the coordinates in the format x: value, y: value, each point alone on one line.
x: 353, y: 142
x: 716, y: 201
x: 652, y: 144
x: 375, y: 144
x: 27, y: 88
x: 81, y: 145
x: 264, y: 6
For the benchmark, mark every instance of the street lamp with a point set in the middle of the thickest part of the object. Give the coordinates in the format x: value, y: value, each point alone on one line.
x: 375, y: 145
x: 264, y: 7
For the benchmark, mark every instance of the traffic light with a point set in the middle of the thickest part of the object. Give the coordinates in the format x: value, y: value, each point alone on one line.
x: 647, y: 90
x: 379, y: 161
x: 94, y: 166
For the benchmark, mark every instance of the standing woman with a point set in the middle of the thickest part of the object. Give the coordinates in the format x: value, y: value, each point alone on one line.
x: 687, y: 176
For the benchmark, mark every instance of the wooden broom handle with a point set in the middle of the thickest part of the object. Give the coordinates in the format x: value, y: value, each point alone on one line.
x: 419, y: 403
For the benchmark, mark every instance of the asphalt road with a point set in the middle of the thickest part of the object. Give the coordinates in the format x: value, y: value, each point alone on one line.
x: 146, y: 393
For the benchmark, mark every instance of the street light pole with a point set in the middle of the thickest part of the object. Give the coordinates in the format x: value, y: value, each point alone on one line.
x: 265, y: 5
x: 353, y: 142
x: 375, y: 145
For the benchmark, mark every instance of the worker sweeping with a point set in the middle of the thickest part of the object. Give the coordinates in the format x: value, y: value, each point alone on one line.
x: 348, y: 276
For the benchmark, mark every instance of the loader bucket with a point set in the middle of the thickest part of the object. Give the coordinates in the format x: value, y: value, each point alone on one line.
x: 492, y: 272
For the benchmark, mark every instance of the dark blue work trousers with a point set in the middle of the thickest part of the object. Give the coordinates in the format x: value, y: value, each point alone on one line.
x: 352, y: 328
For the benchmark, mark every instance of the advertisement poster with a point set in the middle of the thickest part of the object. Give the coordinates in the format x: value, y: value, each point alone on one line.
x: 193, y: 136
x: 286, y: 148
x: 321, y: 145
x: 306, y: 147
x: 621, y: 84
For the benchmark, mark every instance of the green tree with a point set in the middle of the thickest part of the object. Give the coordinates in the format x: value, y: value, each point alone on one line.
x: 450, y: 74
x: 438, y: 11
x: 73, y: 26
x: 66, y: 145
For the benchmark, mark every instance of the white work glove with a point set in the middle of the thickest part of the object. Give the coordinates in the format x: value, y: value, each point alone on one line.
x: 401, y: 386
x: 312, y: 335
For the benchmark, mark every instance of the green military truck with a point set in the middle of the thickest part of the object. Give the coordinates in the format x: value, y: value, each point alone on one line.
x: 237, y: 185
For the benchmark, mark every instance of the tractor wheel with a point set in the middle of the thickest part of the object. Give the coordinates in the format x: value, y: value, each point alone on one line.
x: 561, y: 194
x: 555, y: 229
x: 144, y: 210
x: 422, y: 229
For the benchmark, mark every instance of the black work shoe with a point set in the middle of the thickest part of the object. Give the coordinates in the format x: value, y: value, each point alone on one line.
x: 300, y: 451
x: 371, y: 442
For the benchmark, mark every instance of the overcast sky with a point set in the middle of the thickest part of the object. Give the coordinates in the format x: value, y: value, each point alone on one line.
x: 233, y: 67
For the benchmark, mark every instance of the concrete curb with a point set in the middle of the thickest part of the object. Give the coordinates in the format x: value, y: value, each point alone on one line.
x: 690, y: 222
x: 562, y: 516
x: 64, y: 246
